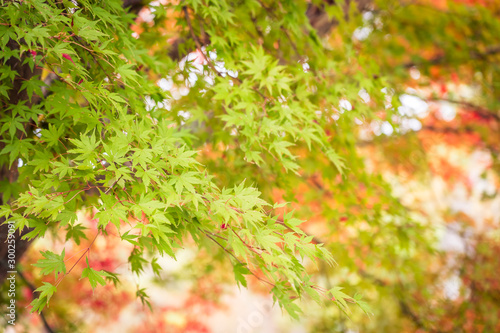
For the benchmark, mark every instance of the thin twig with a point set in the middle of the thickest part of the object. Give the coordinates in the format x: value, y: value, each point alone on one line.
x: 208, y: 61
x: 87, y: 250
x: 197, y: 42
x: 238, y: 260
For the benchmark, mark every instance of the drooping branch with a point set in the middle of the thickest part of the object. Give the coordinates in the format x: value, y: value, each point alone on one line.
x: 442, y: 58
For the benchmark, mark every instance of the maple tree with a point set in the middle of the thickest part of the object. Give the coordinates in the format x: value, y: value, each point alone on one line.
x: 221, y: 126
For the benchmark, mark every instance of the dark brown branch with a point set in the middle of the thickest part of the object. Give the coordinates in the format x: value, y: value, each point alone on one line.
x: 10, y: 173
x: 134, y: 6
x: 443, y: 58
x: 479, y: 110
x: 33, y: 290
x: 197, y: 41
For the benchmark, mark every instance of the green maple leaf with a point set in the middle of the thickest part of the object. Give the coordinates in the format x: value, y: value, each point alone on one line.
x: 239, y: 271
x: 86, y: 146
x: 52, y: 263
x: 94, y: 276
x: 336, y: 160
x: 339, y: 297
x: 75, y: 232
x: 127, y: 73
x: 46, y: 291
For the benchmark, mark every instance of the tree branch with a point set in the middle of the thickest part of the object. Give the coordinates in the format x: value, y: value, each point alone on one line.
x: 33, y: 290
x: 442, y: 59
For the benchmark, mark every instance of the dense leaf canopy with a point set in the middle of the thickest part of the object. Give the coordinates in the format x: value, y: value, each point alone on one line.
x: 221, y: 126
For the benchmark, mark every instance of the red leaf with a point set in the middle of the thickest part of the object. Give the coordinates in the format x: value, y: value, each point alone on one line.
x: 67, y: 56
